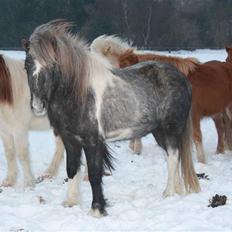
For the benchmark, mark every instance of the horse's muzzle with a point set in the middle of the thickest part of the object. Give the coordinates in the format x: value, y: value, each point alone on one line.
x: 38, y: 107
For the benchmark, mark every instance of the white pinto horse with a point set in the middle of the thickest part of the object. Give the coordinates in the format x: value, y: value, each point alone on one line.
x: 16, y: 119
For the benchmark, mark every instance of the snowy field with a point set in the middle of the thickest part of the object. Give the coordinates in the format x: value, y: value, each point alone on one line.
x: 134, y: 190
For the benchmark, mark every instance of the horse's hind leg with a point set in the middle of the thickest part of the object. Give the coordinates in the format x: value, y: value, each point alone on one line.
x: 179, y: 187
x: 136, y: 145
x: 73, y: 150
x: 173, y: 177
x: 220, y: 127
x: 174, y: 182
x: 9, y: 147
x: 197, y: 136
x: 94, y: 155
x: 57, y: 158
x: 21, y: 145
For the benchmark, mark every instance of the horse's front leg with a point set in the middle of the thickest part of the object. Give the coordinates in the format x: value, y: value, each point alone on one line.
x: 73, y: 150
x: 21, y: 144
x: 136, y: 145
x: 57, y: 158
x: 95, y: 153
x: 8, y: 142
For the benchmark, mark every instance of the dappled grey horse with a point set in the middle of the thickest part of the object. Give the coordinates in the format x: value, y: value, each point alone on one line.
x: 89, y: 103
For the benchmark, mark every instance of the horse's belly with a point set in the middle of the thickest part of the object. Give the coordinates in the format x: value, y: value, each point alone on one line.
x: 120, y: 134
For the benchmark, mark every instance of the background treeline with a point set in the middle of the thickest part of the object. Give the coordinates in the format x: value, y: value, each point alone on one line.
x: 156, y: 24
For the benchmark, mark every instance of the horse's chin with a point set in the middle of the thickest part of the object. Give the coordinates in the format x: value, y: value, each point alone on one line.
x: 39, y: 113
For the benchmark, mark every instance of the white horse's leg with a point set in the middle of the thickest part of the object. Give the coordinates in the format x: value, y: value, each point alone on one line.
x: 21, y: 144
x: 9, y: 147
x: 136, y: 146
x: 73, y: 196
x: 179, y: 186
x: 86, y: 175
x: 57, y: 158
x: 172, y: 159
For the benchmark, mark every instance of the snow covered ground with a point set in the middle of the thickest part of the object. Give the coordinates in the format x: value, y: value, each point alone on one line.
x: 134, y: 191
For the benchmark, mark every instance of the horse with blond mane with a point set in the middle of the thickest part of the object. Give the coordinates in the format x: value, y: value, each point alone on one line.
x: 210, y: 81
x: 16, y: 119
x: 89, y: 103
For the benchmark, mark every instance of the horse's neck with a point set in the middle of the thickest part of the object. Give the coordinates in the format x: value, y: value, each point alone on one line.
x: 18, y: 78
x: 144, y: 57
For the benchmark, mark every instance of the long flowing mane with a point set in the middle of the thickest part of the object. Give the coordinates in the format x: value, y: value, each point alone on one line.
x: 6, y: 94
x: 53, y: 44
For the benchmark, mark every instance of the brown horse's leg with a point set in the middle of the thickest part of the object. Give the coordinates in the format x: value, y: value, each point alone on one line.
x: 136, y: 146
x: 198, y: 139
x: 227, y: 116
x: 220, y: 127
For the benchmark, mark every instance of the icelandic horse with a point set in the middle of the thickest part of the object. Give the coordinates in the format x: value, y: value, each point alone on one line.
x: 88, y: 103
x: 17, y: 119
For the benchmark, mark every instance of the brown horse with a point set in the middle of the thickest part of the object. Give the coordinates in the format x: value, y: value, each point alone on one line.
x: 211, y: 83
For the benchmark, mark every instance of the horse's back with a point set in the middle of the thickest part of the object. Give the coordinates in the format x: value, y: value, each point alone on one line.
x: 144, y: 96
x: 158, y: 75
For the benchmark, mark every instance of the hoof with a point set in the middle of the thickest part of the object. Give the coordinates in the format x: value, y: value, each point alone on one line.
x: 29, y: 183
x: 168, y: 193
x: 179, y: 189
x: 69, y: 203
x: 220, y: 151
x: 96, y: 213
x: 8, y: 182
x: 43, y: 177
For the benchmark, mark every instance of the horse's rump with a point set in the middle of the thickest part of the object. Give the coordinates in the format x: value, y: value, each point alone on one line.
x: 6, y: 94
x: 211, y: 87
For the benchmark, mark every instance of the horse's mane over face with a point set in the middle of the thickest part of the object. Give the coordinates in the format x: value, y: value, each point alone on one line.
x: 53, y: 44
x: 6, y: 93
x: 110, y: 45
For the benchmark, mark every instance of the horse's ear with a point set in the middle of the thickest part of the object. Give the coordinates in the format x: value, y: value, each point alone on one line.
x: 25, y: 44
